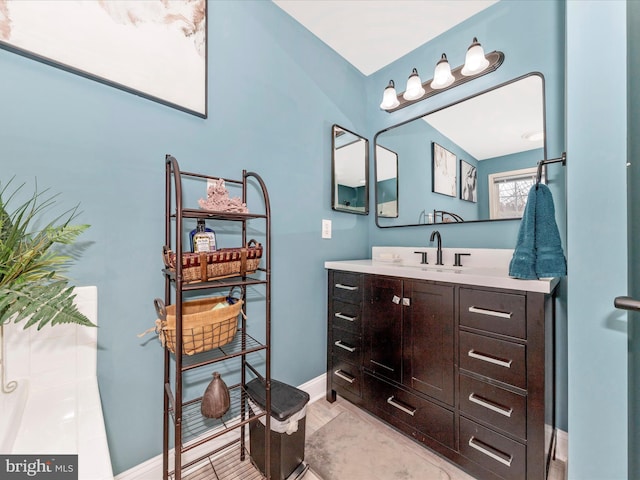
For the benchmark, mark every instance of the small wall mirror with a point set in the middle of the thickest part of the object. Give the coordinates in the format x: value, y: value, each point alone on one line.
x: 350, y: 171
x: 471, y: 161
x: 386, y: 182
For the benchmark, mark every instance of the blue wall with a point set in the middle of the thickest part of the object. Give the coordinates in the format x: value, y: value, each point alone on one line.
x: 596, y: 187
x: 273, y: 98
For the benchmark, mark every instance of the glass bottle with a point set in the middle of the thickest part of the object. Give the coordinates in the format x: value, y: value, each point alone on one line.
x: 203, y: 239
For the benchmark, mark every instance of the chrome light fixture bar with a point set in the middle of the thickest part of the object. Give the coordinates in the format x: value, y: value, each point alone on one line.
x: 476, y: 65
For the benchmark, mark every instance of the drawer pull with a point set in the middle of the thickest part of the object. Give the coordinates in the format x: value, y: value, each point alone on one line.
x: 485, y: 358
x: 394, y: 403
x: 344, y: 317
x: 346, y: 287
x: 491, y: 313
x: 381, y: 365
x: 490, y: 405
x: 344, y: 376
x: 338, y: 343
x: 487, y: 450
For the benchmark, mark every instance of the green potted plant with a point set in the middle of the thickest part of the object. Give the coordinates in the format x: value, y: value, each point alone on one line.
x: 32, y: 259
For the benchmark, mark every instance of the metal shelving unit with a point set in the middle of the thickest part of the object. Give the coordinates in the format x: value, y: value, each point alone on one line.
x: 193, y: 433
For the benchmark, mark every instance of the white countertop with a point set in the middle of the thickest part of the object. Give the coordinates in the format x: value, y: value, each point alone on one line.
x: 484, y: 267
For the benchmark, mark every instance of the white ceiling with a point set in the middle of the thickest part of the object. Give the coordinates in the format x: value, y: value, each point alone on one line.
x: 370, y: 34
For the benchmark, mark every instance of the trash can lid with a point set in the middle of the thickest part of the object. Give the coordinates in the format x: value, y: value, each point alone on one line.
x: 285, y: 399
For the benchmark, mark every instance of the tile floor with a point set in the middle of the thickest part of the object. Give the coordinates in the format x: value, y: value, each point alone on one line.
x: 321, y: 412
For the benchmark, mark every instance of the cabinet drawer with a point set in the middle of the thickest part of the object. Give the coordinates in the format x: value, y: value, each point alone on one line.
x: 347, y: 286
x: 493, y: 451
x: 347, y: 316
x: 347, y: 346
x: 502, y: 313
x: 494, y: 405
x: 347, y: 376
x: 497, y: 359
x: 414, y: 412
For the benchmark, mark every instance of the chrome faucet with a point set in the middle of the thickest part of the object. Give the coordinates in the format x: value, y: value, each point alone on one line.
x: 436, y: 234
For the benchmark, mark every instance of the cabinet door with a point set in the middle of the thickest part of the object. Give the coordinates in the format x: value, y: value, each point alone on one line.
x: 382, y: 326
x: 428, y: 340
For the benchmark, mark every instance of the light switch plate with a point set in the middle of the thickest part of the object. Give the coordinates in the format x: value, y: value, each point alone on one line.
x: 326, y: 228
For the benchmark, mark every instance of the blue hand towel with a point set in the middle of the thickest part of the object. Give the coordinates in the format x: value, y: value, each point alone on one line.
x: 538, y: 251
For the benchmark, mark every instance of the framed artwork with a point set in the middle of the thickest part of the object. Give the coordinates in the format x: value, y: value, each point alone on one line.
x: 444, y: 166
x: 156, y: 49
x: 468, y: 182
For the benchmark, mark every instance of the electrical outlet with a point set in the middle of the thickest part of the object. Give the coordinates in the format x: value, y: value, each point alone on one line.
x: 326, y: 228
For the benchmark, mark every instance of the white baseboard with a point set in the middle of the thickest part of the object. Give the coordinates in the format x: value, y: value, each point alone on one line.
x: 152, y: 468
x: 562, y: 446
x: 316, y: 387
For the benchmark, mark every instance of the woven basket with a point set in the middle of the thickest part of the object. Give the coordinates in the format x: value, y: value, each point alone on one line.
x: 223, y: 263
x: 202, y: 328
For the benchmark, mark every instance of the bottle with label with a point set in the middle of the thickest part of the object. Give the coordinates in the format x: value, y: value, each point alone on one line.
x: 203, y: 239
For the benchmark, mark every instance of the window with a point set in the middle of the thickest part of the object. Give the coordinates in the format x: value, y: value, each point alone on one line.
x: 508, y: 192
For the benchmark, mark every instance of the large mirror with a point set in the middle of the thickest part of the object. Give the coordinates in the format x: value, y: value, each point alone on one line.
x: 471, y: 161
x: 350, y: 171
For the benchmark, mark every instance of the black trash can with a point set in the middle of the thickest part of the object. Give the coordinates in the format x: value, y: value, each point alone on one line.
x: 288, y: 418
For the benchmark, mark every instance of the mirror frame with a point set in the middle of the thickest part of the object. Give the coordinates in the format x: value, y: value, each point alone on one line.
x: 495, y: 87
x: 334, y: 205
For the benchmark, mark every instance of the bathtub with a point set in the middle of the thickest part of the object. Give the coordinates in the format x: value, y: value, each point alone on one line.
x: 56, y: 406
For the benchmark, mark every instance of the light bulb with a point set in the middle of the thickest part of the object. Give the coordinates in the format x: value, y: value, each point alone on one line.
x: 442, y: 77
x: 414, y: 88
x: 390, y: 97
x: 475, y: 61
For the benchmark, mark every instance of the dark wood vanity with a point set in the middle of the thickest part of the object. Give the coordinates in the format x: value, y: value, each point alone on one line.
x: 465, y: 370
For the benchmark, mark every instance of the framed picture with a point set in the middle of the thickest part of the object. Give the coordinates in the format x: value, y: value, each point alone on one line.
x: 444, y: 166
x: 156, y: 49
x: 468, y: 182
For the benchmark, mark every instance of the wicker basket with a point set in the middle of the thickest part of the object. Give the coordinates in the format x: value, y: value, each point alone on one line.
x: 202, y: 328
x: 223, y: 263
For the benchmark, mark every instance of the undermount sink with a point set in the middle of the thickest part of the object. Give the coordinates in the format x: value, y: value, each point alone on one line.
x: 438, y: 268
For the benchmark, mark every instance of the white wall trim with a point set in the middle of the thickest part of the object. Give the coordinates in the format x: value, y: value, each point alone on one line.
x: 152, y: 469
x: 562, y: 446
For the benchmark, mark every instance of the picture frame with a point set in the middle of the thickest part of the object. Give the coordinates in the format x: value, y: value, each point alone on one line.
x: 443, y: 171
x: 156, y: 49
x: 468, y: 182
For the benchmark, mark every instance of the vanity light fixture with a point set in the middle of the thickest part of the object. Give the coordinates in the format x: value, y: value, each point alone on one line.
x: 475, y: 61
x: 476, y: 64
x: 390, y: 97
x: 442, y: 77
x: 414, y: 87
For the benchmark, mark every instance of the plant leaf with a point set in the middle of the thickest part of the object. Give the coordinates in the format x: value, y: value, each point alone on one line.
x: 41, y: 304
x: 32, y: 288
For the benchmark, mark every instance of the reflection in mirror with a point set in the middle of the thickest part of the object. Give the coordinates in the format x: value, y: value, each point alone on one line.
x: 350, y: 172
x: 497, y: 137
x: 386, y: 182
